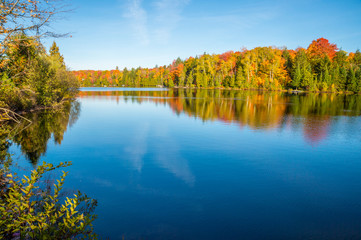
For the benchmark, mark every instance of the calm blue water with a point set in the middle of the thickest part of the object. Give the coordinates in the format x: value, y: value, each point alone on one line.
x: 215, y: 164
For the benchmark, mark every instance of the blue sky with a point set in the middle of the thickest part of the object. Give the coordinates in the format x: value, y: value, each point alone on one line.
x: 132, y: 33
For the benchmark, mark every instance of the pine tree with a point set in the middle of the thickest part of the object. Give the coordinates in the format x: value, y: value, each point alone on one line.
x: 335, y: 75
x: 340, y: 58
x: 307, y: 77
x: 357, y: 57
x: 54, y: 52
x: 327, y: 77
x: 301, y: 68
x: 358, y: 80
x: 297, y: 76
x: 342, y: 79
x: 288, y: 63
x: 351, y: 81
x: 190, y: 79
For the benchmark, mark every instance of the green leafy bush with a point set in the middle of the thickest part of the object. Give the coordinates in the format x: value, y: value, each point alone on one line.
x: 27, y: 211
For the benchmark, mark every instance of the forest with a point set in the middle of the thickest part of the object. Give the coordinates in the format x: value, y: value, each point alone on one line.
x: 322, y: 67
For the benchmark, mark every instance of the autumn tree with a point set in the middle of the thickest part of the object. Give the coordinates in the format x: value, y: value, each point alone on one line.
x: 320, y: 48
x: 30, y: 17
x: 54, y: 52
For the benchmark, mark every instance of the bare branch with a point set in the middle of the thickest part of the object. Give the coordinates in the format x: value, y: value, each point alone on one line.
x: 31, y: 17
x: 7, y: 114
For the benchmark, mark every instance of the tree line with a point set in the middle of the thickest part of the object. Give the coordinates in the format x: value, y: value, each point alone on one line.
x: 320, y: 67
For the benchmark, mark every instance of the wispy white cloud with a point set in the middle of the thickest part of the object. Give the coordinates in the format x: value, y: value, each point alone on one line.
x: 168, y: 155
x: 155, y: 22
x: 167, y: 18
x: 138, y: 147
x: 137, y: 16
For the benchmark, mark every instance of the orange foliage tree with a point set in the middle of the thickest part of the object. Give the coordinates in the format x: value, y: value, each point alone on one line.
x: 320, y: 48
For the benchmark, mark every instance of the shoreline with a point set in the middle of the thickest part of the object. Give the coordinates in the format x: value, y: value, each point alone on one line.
x: 236, y: 89
x: 35, y: 109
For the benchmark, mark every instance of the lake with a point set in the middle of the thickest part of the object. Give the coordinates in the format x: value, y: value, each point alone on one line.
x: 207, y: 164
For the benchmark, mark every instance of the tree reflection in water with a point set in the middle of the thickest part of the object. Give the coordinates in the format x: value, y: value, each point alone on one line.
x: 33, y: 138
x: 254, y: 109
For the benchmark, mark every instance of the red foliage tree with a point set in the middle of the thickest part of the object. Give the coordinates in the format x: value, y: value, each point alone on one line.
x: 225, y: 56
x: 320, y: 48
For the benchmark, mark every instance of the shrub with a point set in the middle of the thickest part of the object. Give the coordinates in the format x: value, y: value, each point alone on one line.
x: 27, y: 211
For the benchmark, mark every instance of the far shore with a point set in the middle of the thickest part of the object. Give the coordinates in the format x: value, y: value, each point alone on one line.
x: 294, y: 91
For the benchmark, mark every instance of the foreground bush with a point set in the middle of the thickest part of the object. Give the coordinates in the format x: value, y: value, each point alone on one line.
x: 27, y: 211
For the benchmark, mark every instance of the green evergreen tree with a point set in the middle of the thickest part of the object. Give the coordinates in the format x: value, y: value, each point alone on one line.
x: 288, y: 63
x: 297, y: 76
x: 358, y: 80
x: 340, y: 58
x: 301, y: 68
x: 307, y: 79
x: 342, y: 79
x: 351, y: 81
x: 327, y: 77
x: 54, y: 52
x: 190, y: 79
x: 357, y: 57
